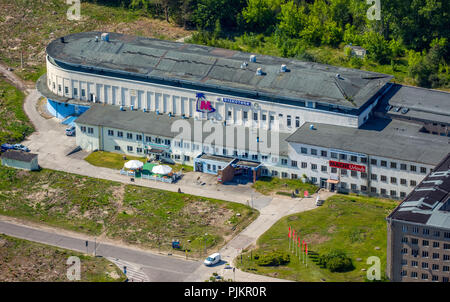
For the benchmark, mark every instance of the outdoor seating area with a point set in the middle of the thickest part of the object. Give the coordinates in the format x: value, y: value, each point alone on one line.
x: 150, y: 170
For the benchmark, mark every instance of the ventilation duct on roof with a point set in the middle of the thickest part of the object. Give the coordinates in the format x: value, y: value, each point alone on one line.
x: 96, y: 38
x: 244, y: 65
x: 253, y: 58
x: 105, y: 37
x: 283, y: 68
x: 259, y: 71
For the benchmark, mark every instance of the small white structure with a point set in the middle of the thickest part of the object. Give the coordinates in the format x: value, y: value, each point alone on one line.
x: 20, y: 160
x: 133, y: 164
x: 357, y: 51
x: 162, y: 169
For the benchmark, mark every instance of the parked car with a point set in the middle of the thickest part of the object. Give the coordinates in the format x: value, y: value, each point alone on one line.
x: 212, y: 259
x: 21, y: 147
x: 7, y: 147
x: 319, y: 201
x: 70, y: 131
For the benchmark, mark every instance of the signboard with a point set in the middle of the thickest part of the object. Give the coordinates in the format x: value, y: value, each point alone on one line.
x: 203, y: 105
x: 347, y: 166
x: 237, y: 102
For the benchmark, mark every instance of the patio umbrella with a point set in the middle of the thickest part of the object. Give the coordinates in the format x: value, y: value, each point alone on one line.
x: 162, y: 169
x: 134, y: 164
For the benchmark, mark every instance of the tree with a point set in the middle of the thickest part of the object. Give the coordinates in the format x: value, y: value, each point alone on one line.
x: 377, y: 47
x: 260, y: 14
x: 291, y: 20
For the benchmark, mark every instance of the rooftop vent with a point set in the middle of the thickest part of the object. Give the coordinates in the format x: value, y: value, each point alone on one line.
x: 244, y: 65
x: 311, y: 127
x: 132, y: 107
x: 121, y: 108
x: 259, y: 71
x: 253, y: 58
x: 105, y: 37
x: 144, y: 110
x: 283, y: 68
x: 96, y: 38
x: 62, y: 40
x: 338, y: 76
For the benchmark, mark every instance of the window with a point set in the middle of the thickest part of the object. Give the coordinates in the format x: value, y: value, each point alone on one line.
x: 393, y: 165
x: 323, y: 168
x: 167, y: 142
x: 288, y: 121
x: 435, y: 255
x: 424, y: 276
x: 393, y: 180
x: 293, y: 163
x: 414, y: 241
x: 373, y: 190
x: 304, y: 150
x: 148, y: 139
x: 413, y: 274
x: 403, y: 273
x: 343, y: 172
x: 403, y: 167
x: 83, y: 129
x: 393, y: 193
x: 404, y: 250
x: 110, y: 132
x: 59, y: 87
x: 333, y: 170
x: 274, y: 173
x: 436, y: 234
x: 435, y: 278
x: 435, y: 244
x: 324, y: 153
x: 75, y: 91
x: 255, y: 116
x: 383, y: 178
x: 224, y: 152
x: 363, y: 160
x: 426, y: 231
x: 353, y: 158
x: 404, y: 239
x: 435, y: 267
x: 425, y: 243
x: 363, y: 188
x: 363, y: 175
x: 353, y: 187
x: 90, y: 130
x: 424, y: 264
x: 413, y: 168
x: 415, y: 230
x: 254, y: 156
x: 66, y: 90
x: 186, y: 158
x: 304, y: 165
x: 284, y: 174
x: 445, y: 268
x: 403, y: 181
x: 313, y: 167
x: 117, y: 148
x: 333, y: 155
x: 284, y: 161
x: 119, y: 133
x: 313, y: 152
x: 264, y: 117
x: 412, y: 183
x: 444, y: 279
x: 139, y: 150
x: 314, y: 180
x: 129, y: 135
x: 383, y: 163
x: 354, y: 174
x: 230, y: 114
x: 424, y: 254
x: 415, y: 252
x: 446, y: 257
x: 297, y: 122
x: 404, y: 262
x: 414, y: 263
x: 402, y: 194
x: 423, y: 170
x: 294, y: 176
x: 129, y: 148
x: 83, y: 92
x: 373, y: 162
x: 343, y: 156
x: 446, y: 234
x: 138, y: 137
x: 383, y: 191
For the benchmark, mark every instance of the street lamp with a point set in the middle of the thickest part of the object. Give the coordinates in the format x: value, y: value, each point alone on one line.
x: 206, y: 234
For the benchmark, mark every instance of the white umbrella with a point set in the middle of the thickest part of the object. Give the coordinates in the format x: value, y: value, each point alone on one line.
x: 134, y: 164
x: 162, y: 169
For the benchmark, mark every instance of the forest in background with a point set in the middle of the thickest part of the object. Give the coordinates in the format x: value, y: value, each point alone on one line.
x: 410, y: 40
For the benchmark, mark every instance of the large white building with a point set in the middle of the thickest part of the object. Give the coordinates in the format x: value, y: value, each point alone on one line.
x: 279, y: 117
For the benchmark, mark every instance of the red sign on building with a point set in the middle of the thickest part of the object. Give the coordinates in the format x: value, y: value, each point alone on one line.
x: 336, y: 164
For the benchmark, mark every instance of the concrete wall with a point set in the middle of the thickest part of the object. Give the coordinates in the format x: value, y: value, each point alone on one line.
x: 63, y: 110
x: 180, y: 101
x: 33, y: 165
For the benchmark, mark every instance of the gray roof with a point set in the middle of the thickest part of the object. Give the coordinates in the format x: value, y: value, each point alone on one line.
x: 19, y: 155
x: 203, y: 67
x: 151, y: 123
x: 379, y: 137
x: 425, y: 105
x: 429, y: 202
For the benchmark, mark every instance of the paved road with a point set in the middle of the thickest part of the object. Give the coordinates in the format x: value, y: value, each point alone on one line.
x: 154, y: 267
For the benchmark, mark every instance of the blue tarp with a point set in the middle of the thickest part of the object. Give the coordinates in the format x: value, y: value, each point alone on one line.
x: 70, y: 121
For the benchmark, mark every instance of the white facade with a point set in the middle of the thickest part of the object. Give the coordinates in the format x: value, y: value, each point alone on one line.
x: 180, y: 101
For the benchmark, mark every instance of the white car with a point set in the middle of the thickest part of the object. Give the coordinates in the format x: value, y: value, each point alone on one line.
x: 70, y: 131
x: 212, y: 259
x: 319, y: 202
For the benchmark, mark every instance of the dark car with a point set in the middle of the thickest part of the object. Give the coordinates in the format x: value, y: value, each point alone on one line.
x: 7, y: 147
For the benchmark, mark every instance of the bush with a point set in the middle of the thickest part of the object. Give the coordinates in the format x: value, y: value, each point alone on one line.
x: 274, y: 258
x: 336, y: 261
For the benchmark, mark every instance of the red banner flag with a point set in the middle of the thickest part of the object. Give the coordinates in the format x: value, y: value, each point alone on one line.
x: 306, y: 248
x: 298, y: 242
x: 293, y: 233
x: 289, y: 232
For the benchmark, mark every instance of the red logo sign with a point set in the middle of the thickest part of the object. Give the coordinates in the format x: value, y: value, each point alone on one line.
x: 336, y: 164
x: 203, y: 105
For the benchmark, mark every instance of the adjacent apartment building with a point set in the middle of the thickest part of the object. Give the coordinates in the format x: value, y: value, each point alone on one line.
x: 418, y: 241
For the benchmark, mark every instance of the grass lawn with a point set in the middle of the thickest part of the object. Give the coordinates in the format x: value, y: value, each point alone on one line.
x: 23, y: 260
x: 350, y: 223
x: 110, y: 160
x: 268, y: 185
x: 14, y: 124
x: 133, y: 214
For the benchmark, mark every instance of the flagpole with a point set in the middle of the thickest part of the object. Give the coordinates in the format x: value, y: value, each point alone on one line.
x: 289, y: 237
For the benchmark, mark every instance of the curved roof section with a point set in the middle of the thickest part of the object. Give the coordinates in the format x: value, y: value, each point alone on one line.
x: 209, y: 66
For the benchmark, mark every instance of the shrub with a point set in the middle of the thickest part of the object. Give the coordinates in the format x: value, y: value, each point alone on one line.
x: 336, y: 261
x: 274, y: 258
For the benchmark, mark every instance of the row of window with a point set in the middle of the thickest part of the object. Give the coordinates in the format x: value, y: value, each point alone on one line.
x: 373, y: 190
x: 425, y: 265
x: 424, y: 276
x: 363, y: 160
x: 264, y: 118
x: 139, y: 137
x: 90, y: 130
x: 425, y: 243
x: 424, y: 254
x: 425, y: 231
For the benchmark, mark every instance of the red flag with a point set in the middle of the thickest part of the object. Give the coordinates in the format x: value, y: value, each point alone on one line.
x: 289, y: 232
x: 298, y: 242
x: 306, y: 248
x: 293, y: 233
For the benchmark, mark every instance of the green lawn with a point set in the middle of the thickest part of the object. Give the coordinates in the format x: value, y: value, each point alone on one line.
x: 268, y: 185
x: 25, y: 261
x: 110, y: 160
x: 133, y: 214
x: 353, y: 224
x: 14, y: 124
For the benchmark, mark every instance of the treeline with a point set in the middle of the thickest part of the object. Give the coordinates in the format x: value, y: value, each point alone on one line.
x: 418, y: 30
